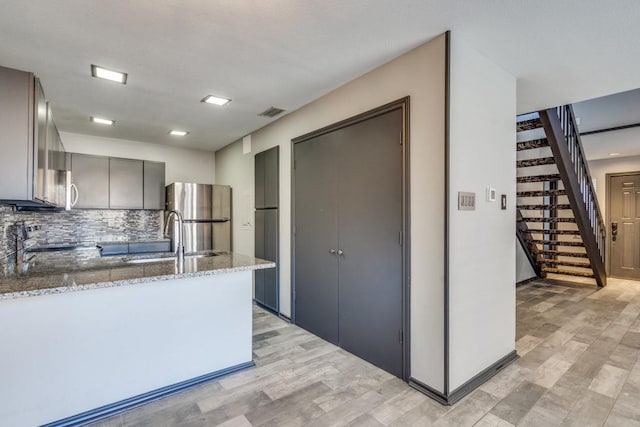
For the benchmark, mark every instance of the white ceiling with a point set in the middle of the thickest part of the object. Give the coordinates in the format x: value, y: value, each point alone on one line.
x: 287, y: 53
x: 621, y: 109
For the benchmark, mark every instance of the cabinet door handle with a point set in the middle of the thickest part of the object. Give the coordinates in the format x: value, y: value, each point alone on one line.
x: 340, y: 252
x: 332, y: 251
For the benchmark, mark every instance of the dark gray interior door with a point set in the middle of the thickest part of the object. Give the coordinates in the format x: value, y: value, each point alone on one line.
x: 624, y: 227
x: 369, y: 225
x: 316, y: 236
x: 348, y: 244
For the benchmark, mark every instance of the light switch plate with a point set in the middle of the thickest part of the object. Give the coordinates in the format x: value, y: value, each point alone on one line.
x: 491, y: 194
x: 466, y: 201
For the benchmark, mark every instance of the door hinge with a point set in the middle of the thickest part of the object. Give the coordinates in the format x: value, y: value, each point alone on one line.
x: 400, y: 137
x: 401, y: 238
x: 401, y: 336
x: 294, y: 164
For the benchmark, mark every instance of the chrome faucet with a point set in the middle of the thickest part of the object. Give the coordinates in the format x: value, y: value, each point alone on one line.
x: 180, y: 240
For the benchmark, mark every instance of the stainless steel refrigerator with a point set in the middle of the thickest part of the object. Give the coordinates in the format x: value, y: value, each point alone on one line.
x: 206, y: 210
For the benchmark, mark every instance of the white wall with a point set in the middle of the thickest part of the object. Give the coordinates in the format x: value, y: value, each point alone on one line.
x: 419, y: 74
x: 182, y: 164
x: 236, y: 169
x: 481, y: 247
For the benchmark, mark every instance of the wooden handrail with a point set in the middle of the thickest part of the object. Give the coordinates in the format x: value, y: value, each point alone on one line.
x: 564, y: 141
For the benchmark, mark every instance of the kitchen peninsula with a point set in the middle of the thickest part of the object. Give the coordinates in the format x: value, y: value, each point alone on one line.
x: 79, y: 344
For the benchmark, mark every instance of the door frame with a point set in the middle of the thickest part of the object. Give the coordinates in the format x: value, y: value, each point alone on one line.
x: 607, y: 216
x: 403, y: 104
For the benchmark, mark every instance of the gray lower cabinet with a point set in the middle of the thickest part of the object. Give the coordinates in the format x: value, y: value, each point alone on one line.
x: 266, y: 247
x: 154, y: 185
x: 125, y: 184
x: 90, y: 174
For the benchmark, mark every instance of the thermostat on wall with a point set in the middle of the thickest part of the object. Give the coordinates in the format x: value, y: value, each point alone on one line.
x: 491, y: 195
x: 466, y: 201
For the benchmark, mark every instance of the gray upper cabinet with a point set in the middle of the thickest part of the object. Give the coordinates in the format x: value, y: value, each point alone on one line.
x: 90, y: 174
x: 266, y: 178
x: 125, y: 183
x: 154, y: 185
x: 115, y: 183
x: 259, y: 180
x: 32, y: 164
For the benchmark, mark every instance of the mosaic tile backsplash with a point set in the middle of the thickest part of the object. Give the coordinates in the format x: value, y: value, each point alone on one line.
x: 86, y: 227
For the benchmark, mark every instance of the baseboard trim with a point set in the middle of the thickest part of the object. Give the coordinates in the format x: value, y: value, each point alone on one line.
x: 469, y: 386
x: 285, y: 318
x: 425, y: 389
x: 112, y: 409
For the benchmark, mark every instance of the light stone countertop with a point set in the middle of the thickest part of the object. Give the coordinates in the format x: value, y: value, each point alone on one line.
x: 116, y: 271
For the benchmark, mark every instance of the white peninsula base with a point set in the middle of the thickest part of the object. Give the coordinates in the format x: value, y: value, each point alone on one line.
x: 68, y: 357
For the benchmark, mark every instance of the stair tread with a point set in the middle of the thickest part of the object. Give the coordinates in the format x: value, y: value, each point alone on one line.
x: 535, y: 162
x: 567, y: 272
x: 550, y: 220
x: 532, y: 144
x: 556, y: 242
x: 528, y: 124
x: 541, y: 231
x: 544, y: 207
x: 563, y: 253
x: 539, y: 178
x: 542, y: 193
x: 566, y: 263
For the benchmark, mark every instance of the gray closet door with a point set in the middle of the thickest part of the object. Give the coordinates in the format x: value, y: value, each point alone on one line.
x: 369, y: 225
x: 316, y: 234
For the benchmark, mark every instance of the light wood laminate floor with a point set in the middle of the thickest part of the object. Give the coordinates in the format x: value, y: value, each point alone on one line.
x: 579, y: 366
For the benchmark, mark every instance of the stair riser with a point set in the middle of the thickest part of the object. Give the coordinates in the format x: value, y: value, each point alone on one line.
x: 528, y: 125
x: 542, y: 193
x: 538, y: 178
x: 544, y: 207
x: 535, y: 162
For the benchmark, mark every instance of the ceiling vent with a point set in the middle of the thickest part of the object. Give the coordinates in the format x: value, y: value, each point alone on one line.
x: 271, y: 112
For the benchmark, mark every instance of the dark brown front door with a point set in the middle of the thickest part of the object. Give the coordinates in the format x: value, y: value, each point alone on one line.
x: 624, y: 225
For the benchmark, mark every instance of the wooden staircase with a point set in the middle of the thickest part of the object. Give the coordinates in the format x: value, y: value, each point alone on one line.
x: 559, y: 223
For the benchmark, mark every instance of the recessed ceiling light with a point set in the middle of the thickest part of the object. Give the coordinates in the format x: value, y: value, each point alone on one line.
x: 178, y: 133
x: 102, y: 121
x: 614, y: 154
x: 104, y: 73
x: 215, y: 100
